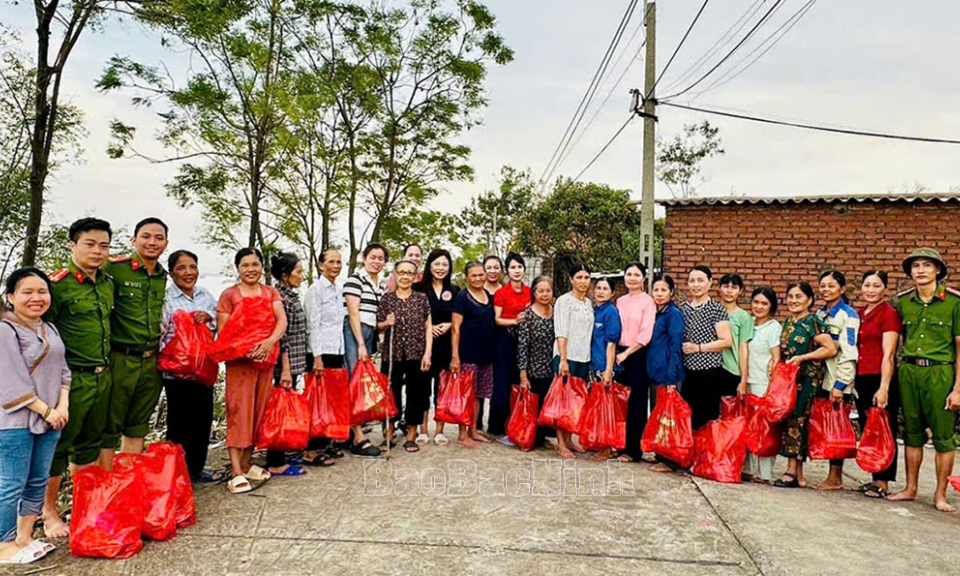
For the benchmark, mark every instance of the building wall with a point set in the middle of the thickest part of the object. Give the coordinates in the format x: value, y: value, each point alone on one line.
x: 775, y: 244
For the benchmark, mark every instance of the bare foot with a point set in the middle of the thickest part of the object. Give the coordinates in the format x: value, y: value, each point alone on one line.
x: 660, y: 467
x: 566, y: 454
x: 801, y: 482
x: 759, y: 480
x: 577, y: 448
x: 54, y: 526
x: 467, y: 442
x: 942, y: 505
x: 903, y: 496
x: 827, y: 486
x: 480, y: 438
x: 602, y: 455
x: 626, y: 458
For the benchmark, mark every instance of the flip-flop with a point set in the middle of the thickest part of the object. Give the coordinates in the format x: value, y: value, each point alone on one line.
x: 440, y: 439
x: 290, y: 471
x: 320, y: 460
x: 25, y: 555
x: 411, y: 446
x: 209, y: 477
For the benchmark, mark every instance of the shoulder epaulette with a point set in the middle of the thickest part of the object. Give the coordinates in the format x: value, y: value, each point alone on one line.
x: 906, y: 292
x: 953, y: 291
x: 117, y: 259
x: 59, y: 275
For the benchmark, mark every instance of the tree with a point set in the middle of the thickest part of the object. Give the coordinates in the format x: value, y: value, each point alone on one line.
x: 495, y: 215
x: 678, y: 162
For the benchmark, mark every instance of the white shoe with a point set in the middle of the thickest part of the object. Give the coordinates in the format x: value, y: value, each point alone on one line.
x: 422, y: 439
x: 440, y: 440
x: 26, y: 555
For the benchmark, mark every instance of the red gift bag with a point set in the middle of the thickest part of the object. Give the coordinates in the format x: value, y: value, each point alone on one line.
x: 563, y: 404
x: 158, y: 474
x: 329, y: 400
x: 732, y: 406
x: 522, y: 424
x: 830, y: 434
x: 781, y: 397
x: 286, y: 421
x: 955, y: 482
x: 371, y: 398
x: 455, y: 398
x: 877, y: 449
x: 719, y: 450
x: 107, y: 512
x: 668, y: 432
x: 604, y: 420
x: 251, y: 322
x: 185, y: 356
x: 762, y: 436
x: 186, y: 512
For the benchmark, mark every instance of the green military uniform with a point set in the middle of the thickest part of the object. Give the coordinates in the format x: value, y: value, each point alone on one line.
x: 80, y: 309
x: 927, y: 366
x: 135, y: 335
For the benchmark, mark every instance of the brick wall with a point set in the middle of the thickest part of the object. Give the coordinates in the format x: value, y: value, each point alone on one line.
x: 775, y: 244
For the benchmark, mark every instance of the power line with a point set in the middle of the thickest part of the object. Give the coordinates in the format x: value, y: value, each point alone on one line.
x: 731, y: 52
x: 587, y: 96
x: 674, y: 55
x: 605, y: 146
x: 818, y: 128
x: 788, y: 24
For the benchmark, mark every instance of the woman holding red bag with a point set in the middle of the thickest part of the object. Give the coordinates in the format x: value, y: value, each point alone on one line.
x: 189, y: 403
x: 248, y: 387
x: 535, y: 338
x: 763, y: 356
x: 880, y: 327
x: 573, y: 323
x: 805, y: 341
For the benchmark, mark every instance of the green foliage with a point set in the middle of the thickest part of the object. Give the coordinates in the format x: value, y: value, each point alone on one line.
x: 678, y: 161
x: 495, y: 215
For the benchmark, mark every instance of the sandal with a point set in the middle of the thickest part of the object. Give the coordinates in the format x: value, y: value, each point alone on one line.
x: 333, y: 452
x: 239, y: 485
x: 365, y: 448
x: 411, y: 446
x: 45, y: 547
x: 321, y: 460
x: 793, y: 483
x: 290, y: 471
x: 209, y: 477
x: 25, y: 555
x: 258, y: 474
x: 422, y: 439
x: 440, y: 439
x: 874, y: 491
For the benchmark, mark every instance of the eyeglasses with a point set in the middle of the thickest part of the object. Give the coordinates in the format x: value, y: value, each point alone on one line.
x: 405, y: 273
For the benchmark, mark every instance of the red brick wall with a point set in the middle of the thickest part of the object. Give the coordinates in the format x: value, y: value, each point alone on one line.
x: 775, y: 244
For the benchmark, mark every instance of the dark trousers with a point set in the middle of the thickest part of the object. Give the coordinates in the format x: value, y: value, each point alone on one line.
x: 702, y: 391
x: 505, y: 374
x: 540, y: 387
x: 635, y: 377
x: 407, y: 374
x: 189, y: 419
x: 866, y: 386
x: 728, y: 383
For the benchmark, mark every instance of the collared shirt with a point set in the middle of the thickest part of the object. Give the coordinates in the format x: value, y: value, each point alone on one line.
x: 606, y: 330
x: 741, y: 330
x: 137, y: 312
x: 665, y: 354
x: 32, y: 365
x: 294, y: 339
x: 700, y: 327
x: 324, y: 307
x: 202, y: 301
x: 873, y: 325
x: 930, y: 328
x: 573, y: 320
x: 843, y: 324
x: 80, y: 309
x: 638, y: 314
x: 360, y: 285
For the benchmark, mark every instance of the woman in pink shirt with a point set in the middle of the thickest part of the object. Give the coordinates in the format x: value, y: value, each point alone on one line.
x: 638, y: 314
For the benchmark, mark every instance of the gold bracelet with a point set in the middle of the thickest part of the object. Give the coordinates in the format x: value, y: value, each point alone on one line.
x: 47, y: 413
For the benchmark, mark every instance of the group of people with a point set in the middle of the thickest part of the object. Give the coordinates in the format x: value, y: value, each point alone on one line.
x: 79, y: 354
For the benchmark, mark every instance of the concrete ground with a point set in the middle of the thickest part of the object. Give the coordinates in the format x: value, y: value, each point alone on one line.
x: 428, y: 513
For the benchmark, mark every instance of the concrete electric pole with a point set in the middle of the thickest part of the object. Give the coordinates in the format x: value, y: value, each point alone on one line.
x: 649, y: 144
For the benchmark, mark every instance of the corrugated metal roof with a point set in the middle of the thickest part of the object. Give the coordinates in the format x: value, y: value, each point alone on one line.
x: 917, y: 197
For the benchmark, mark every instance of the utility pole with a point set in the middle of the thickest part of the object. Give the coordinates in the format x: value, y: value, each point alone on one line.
x: 649, y: 143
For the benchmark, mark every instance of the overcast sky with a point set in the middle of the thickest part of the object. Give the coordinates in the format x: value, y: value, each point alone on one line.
x: 868, y: 64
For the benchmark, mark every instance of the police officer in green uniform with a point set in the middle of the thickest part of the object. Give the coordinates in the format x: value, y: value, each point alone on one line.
x: 929, y: 373
x: 139, y: 283
x: 80, y: 305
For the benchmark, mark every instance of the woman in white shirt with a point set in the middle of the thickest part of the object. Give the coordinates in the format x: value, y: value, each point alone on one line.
x: 763, y: 356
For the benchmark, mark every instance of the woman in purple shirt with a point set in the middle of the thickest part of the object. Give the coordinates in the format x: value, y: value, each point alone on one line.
x: 34, y: 392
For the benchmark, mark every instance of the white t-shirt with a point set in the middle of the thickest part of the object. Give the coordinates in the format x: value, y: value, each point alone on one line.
x: 765, y: 337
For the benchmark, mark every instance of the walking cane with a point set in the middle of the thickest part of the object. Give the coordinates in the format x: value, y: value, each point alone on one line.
x: 390, y: 386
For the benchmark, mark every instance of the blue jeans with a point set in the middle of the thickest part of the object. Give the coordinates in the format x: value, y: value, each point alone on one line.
x: 24, y: 470
x: 350, y: 347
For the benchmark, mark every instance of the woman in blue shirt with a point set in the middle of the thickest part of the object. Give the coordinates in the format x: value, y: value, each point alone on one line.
x: 665, y: 355
x: 603, y: 344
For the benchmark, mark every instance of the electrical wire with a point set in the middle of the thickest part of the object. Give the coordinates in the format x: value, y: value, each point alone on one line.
x: 677, y: 49
x: 819, y: 128
x: 605, y: 146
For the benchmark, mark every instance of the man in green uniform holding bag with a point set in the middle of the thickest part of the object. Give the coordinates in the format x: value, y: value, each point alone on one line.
x: 81, y: 300
x: 929, y: 373
x: 139, y: 283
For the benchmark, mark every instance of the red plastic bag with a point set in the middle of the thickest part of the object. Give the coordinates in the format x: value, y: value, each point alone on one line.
x: 522, y: 424
x: 830, y: 434
x: 107, y: 512
x: 158, y: 474
x: 455, y: 399
x: 186, y: 511
x: 668, y: 432
x: 720, y: 450
x: 563, y: 404
x: 329, y: 400
x: 286, y: 421
x: 185, y: 356
x: 955, y: 482
x: 251, y: 322
x: 371, y: 398
x: 762, y: 436
x: 604, y: 420
x: 877, y: 449
x: 781, y: 397
x: 732, y: 406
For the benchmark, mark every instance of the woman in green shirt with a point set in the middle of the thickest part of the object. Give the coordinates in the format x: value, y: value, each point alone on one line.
x: 736, y: 366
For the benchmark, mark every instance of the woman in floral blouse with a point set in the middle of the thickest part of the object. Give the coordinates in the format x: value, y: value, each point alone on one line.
x: 535, y: 339
x: 804, y: 340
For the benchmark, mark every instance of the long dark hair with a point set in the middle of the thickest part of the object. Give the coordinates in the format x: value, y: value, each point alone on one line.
x: 427, y: 281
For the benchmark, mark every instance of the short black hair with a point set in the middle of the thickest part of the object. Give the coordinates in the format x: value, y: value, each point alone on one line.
x: 638, y: 265
x: 247, y: 251
x: 490, y: 257
x: 151, y: 220
x: 666, y: 279
x: 175, y: 257
x: 469, y: 265
x: 734, y: 279
x: 324, y: 252
x: 19, y: 274
x: 579, y: 267
x: 878, y: 273
x: 610, y: 282
x: 89, y: 225
x: 376, y: 246
x: 536, y: 282
x: 283, y: 264
x: 768, y: 293
x: 411, y: 245
x: 514, y: 257
x: 706, y: 270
